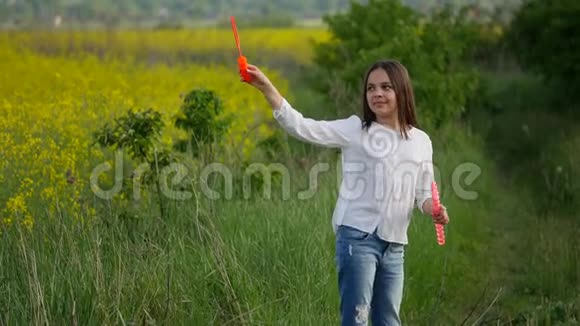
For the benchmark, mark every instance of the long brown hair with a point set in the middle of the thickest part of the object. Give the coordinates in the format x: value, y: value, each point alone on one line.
x: 403, y: 91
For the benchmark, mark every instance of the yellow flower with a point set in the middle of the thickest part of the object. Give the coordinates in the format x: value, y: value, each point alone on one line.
x: 16, y: 205
x: 48, y: 193
x: 28, y: 222
x: 7, y: 221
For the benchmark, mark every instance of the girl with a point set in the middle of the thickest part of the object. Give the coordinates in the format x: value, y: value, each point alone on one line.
x: 387, y: 170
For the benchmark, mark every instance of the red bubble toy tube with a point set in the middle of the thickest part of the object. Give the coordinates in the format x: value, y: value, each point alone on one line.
x: 439, y: 228
x: 242, y: 61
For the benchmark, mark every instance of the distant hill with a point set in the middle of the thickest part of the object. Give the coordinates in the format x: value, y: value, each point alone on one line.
x: 186, y: 12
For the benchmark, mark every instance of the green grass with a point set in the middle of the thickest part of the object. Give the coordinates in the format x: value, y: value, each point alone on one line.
x: 271, y: 262
x: 255, y: 261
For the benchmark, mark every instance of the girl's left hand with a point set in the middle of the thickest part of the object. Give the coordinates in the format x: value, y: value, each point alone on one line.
x: 442, y: 218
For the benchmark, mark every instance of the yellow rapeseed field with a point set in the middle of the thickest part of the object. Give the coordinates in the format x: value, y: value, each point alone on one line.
x: 294, y: 43
x: 50, y: 105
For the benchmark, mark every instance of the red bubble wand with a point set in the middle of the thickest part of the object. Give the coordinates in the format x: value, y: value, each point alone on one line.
x: 242, y: 61
x: 439, y: 229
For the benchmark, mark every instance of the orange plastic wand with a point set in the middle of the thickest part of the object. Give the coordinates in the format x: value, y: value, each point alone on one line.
x: 439, y: 229
x: 242, y: 61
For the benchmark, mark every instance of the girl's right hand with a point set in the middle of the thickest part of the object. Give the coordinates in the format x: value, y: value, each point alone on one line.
x: 259, y: 79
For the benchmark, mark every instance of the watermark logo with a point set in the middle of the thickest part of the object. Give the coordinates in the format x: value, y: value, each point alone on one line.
x: 381, y: 142
x: 379, y: 180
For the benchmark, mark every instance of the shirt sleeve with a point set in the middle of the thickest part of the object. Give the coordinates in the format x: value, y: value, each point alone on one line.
x: 332, y: 133
x: 425, y: 178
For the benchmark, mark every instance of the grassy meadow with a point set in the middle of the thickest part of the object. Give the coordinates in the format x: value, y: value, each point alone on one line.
x: 70, y: 257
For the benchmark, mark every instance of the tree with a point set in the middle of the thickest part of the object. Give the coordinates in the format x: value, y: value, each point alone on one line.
x: 201, y: 116
x: 432, y: 48
x: 546, y: 39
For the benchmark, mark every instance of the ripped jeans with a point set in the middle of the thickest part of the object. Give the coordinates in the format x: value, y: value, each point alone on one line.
x: 370, y: 278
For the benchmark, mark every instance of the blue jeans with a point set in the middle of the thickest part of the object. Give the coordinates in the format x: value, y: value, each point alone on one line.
x: 370, y: 277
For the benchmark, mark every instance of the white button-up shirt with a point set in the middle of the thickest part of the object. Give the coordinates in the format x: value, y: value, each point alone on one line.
x: 383, y: 175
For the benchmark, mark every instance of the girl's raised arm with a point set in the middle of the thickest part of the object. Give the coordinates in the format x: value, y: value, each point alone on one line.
x: 333, y: 133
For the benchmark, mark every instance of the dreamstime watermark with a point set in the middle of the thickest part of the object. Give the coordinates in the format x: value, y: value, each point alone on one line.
x: 381, y: 180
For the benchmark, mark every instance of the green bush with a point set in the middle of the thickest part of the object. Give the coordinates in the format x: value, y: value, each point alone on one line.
x: 139, y: 134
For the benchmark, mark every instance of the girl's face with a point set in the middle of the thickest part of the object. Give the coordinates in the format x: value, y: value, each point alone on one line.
x: 380, y: 94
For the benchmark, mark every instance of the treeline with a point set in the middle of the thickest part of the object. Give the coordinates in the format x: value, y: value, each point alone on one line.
x: 140, y: 12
